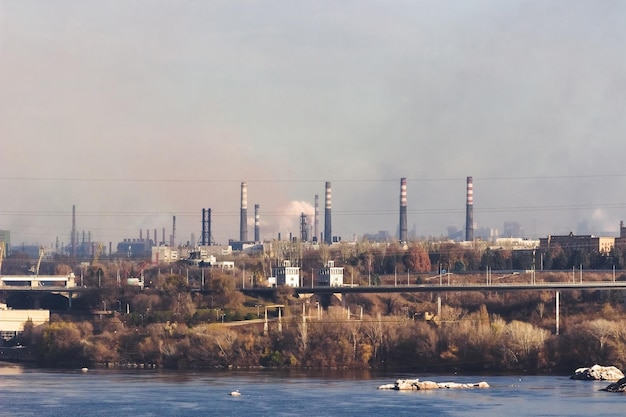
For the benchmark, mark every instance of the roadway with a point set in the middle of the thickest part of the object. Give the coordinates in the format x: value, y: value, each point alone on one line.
x: 43, y: 289
x: 378, y: 289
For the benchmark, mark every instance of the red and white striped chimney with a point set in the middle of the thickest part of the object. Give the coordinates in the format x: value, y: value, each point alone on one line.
x: 469, y: 211
x: 403, y: 221
x: 243, y: 223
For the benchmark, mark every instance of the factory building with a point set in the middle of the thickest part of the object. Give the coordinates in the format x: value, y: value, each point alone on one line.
x: 330, y: 275
x: 286, y: 275
x: 581, y: 242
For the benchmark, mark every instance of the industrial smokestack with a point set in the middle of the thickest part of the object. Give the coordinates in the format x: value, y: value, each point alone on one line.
x: 164, y: 236
x: 209, y: 233
x: 316, y: 221
x: 304, y: 228
x: 257, y: 224
x: 469, y: 211
x: 173, y: 239
x: 243, y: 224
x: 73, y: 242
x: 207, y: 239
x: 403, y: 227
x: 141, y: 235
x: 328, y: 234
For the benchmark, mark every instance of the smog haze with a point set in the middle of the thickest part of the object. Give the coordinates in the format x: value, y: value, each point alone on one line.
x: 137, y: 111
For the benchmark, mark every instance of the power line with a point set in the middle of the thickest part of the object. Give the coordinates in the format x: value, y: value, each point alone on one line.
x: 306, y: 180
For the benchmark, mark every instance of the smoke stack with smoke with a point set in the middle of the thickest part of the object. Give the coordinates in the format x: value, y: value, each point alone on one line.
x: 328, y: 234
x: 469, y: 211
x: 243, y: 223
x: 403, y: 221
x: 257, y: 224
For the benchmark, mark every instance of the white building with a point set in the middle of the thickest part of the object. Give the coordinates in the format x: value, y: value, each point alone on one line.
x: 12, y: 321
x: 196, y: 255
x: 330, y: 275
x: 224, y: 265
x: 287, y: 274
x: 164, y: 254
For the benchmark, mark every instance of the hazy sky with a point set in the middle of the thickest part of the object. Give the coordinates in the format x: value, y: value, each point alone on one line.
x: 138, y: 110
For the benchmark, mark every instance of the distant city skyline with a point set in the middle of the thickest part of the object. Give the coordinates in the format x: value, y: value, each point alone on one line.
x: 285, y: 222
x: 138, y: 111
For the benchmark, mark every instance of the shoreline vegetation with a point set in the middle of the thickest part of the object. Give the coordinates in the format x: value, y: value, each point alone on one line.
x: 473, y: 333
x: 170, y: 324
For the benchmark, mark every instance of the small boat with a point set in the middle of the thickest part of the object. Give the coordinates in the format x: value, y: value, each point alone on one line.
x: 235, y: 393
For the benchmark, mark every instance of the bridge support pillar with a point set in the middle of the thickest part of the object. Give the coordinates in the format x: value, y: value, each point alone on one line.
x: 439, y: 306
x: 558, y: 296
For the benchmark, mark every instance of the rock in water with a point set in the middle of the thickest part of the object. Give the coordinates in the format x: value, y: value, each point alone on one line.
x: 416, y: 385
x: 619, y: 386
x: 598, y: 373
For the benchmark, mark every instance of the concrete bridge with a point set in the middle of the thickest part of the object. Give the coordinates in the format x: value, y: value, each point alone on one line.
x: 444, y: 288
x: 36, y: 281
x: 37, y: 293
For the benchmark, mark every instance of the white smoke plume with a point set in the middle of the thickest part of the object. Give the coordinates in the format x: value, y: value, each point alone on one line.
x: 286, y: 220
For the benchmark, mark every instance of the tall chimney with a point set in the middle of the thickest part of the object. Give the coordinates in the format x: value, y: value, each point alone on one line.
x: 164, y: 236
x: 204, y: 241
x: 209, y: 235
x: 403, y: 227
x: 304, y: 228
x: 140, y: 235
x: 469, y: 211
x: 73, y: 243
x: 316, y: 221
x: 173, y: 239
x: 156, y: 238
x: 243, y: 224
x: 328, y: 234
x: 257, y: 224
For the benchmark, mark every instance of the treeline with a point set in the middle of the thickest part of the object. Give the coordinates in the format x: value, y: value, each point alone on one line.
x: 457, y: 339
x: 364, y: 262
x: 168, y: 325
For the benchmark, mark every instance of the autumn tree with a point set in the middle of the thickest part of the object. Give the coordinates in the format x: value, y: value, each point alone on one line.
x: 64, y: 343
x: 416, y: 259
x: 225, y: 291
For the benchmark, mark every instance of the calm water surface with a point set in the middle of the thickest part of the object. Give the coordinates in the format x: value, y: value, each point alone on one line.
x: 29, y: 392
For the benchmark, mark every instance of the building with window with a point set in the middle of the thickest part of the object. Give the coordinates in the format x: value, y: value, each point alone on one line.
x: 12, y: 321
x: 286, y: 274
x: 330, y: 275
x: 587, y: 243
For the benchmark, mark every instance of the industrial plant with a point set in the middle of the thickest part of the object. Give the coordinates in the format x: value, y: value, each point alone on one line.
x: 165, y: 249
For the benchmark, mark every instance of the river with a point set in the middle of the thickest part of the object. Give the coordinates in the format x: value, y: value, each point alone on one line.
x: 100, y: 392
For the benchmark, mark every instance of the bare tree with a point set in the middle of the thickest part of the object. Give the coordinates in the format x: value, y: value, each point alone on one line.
x: 602, y: 330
